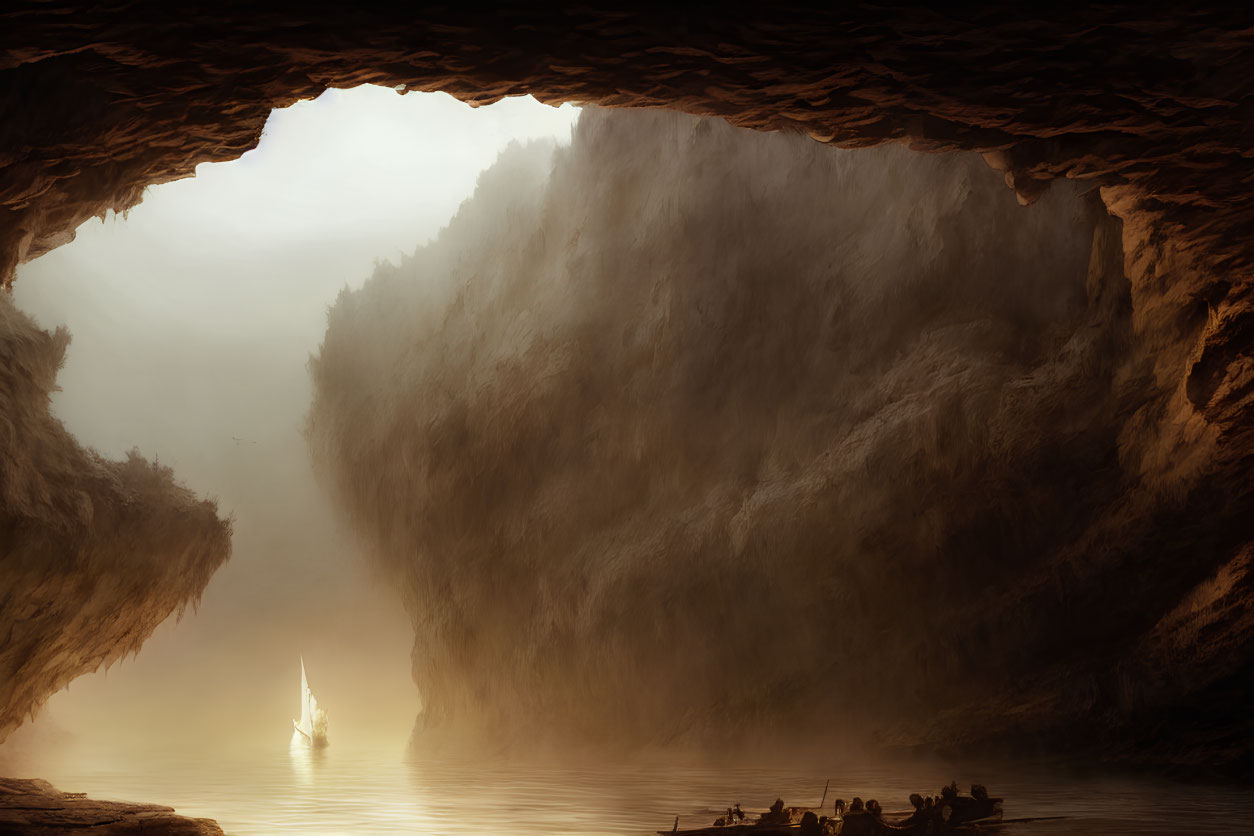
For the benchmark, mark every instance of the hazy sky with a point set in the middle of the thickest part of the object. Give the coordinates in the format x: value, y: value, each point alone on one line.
x: 192, y: 321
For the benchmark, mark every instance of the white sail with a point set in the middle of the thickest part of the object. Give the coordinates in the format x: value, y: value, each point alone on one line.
x: 312, y: 725
x: 306, y: 715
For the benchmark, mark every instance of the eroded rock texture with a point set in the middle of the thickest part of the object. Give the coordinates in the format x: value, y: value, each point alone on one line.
x: 103, y: 99
x: 96, y: 553
x: 36, y: 808
x: 710, y: 430
x: 99, y: 100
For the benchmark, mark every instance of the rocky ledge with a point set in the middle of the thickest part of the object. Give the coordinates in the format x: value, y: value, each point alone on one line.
x: 35, y: 807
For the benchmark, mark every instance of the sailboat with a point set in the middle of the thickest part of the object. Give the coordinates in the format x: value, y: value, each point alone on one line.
x: 312, y: 726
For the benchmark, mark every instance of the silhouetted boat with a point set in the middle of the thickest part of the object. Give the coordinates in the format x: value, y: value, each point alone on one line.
x: 956, y: 814
x: 886, y: 825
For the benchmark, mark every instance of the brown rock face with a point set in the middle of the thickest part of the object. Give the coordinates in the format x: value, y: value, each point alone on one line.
x: 36, y: 807
x: 695, y: 429
x: 96, y: 553
x: 100, y: 100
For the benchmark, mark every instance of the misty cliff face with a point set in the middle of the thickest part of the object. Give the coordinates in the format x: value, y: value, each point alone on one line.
x: 696, y: 429
x: 96, y: 553
x: 1151, y: 103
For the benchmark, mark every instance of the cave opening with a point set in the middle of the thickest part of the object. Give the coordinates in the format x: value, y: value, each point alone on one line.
x: 727, y: 335
x: 192, y: 321
x: 682, y: 433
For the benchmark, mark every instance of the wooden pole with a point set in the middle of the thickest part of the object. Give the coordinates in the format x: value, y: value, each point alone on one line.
x: 825, y: 787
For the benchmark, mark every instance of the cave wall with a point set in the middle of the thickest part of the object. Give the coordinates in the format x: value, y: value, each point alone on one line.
x: 104, y: 99
x: 97, y: 553
x: 696, y: 431
x: 100, y: 100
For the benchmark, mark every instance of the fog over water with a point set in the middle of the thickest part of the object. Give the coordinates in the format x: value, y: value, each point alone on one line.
x: 192, y: 323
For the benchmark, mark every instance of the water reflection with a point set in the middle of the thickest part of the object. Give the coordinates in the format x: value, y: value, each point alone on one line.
x: 347, y: 789
x: 306, y: 759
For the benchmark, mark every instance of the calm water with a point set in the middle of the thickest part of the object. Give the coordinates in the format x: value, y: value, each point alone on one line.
x: 283, y: 789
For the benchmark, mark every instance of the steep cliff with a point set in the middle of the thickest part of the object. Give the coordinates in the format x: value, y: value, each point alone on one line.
x: 712, y: 430
x: 96, y: 553
x: 100, y: 100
